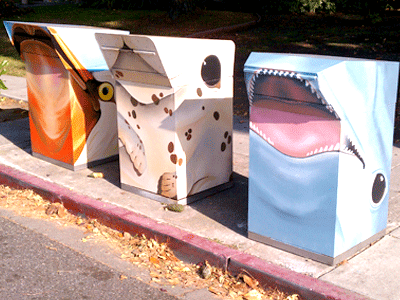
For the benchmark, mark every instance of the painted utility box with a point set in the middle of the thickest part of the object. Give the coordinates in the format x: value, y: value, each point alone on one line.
x: 72, y: 110
x: 174, y: 103
x: 321, y: 133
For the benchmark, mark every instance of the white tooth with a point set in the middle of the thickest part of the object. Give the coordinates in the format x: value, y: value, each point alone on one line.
x: 269, y: 141
x: 331, y: 148
x: 307, y: 83
x: 316, y: 151
x: 337, y: 147
x: 326, y: 148
x: 321, y: 149
x: 264, y: 137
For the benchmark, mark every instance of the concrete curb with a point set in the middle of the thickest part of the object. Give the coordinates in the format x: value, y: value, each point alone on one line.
x: 187, y: 246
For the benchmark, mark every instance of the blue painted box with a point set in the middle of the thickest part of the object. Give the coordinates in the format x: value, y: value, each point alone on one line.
x: 321, y: 133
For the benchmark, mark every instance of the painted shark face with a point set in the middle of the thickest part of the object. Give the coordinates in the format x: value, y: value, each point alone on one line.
x: 290, y: 113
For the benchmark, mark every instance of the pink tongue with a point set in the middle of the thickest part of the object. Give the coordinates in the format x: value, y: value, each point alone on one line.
x: 295, y: 134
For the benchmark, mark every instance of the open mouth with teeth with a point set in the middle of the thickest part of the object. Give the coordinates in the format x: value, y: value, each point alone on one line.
x: 290, y: 113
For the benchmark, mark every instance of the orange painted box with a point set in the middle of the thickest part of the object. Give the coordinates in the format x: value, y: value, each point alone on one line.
x: 72, y: 112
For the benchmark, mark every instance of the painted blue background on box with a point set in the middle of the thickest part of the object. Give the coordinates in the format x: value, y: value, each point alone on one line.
x: 320, y: 149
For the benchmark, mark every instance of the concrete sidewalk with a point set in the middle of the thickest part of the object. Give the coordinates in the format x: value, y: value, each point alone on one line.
x: 214, y: 228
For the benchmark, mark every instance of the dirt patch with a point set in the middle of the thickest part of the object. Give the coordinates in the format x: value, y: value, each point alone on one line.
x: 11, y: 109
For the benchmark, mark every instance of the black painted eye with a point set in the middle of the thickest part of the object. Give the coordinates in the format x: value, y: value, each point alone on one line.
x: 211, y: 70
x: 106, y: 91
x: 378, y: 188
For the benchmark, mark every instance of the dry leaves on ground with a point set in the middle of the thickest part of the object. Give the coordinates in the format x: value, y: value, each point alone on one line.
x: 158, y: 258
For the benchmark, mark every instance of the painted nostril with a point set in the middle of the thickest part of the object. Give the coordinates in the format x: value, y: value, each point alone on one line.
x: 378, y: 188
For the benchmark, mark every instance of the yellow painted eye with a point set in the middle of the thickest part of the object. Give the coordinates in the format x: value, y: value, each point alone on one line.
x: 106, y: 91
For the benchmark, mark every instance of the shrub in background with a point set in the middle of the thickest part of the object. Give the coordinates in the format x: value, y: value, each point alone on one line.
x: 8, y: 8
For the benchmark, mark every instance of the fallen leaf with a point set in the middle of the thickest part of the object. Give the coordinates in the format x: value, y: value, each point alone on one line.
x: 155, y: 274
x: 174, y: 281
x: 232, y: 294
x: 343, y: 262
x: 62, y: 212
x: 127, y: 235
x: 84, y: 240
x: 250, y: 281
x: 206, y: 270
x: 214, y: 290
x: 175, y: 207
x: 253, y: 295
x: 51, y: 209
x: 96, y: 175
x: 154, y: 260
x: 186, y: 269
x: 221, y: 279
x: 293, y: 297
x: 123, y: 277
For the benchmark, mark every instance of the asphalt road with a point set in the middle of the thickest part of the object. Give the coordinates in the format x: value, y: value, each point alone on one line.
x: 35, y: 266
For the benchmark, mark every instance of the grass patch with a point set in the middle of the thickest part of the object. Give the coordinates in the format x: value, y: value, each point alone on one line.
x: 336, y: 35
x: 137, y: 22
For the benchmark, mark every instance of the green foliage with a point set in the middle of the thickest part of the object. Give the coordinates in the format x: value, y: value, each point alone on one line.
x: 314, y: 6
x: 371, y: 9
x: 3, y: 71
x: 299, y: 6
x: 362, y: 6
x: 8, y: 8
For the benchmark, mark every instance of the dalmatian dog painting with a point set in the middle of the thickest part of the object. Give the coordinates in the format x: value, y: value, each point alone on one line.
x: 321, y: 133
x: 174, y: 103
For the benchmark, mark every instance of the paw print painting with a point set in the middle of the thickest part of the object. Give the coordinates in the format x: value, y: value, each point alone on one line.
x: 174, y: 103
x: 72, y: 109
x: 321, y: 132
